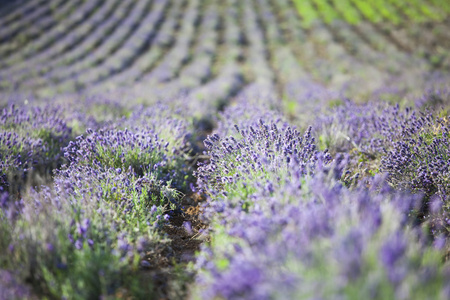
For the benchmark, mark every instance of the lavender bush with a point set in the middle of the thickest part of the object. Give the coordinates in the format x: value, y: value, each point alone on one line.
x: 434, y: 99
x: 365, y: 128
x: 319, y: 239
x: 30, y: 143
x: 367, y: 132
x: 251, y: 159
x: 419, y: 162
x: 410, y: 146
x: 254, y: 152
x: 284, y: 224
x: 88, y: 233
x: 88, y: 236
x: 355, y: 253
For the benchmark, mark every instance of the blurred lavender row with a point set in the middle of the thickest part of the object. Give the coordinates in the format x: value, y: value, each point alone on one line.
x: 88, y: 230
x: 286, y: 224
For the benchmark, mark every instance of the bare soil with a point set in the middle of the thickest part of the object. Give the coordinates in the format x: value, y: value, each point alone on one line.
x: 167, y: 263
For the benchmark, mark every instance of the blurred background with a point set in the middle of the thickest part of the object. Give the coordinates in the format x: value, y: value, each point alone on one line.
x: 297, y: 51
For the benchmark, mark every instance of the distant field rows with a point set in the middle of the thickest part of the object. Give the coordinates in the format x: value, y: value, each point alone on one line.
x: 220, y: 49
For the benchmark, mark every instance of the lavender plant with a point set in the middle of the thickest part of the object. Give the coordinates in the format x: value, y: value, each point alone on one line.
x: 365, y: 128
x: 30, y: 142
x: 143, y: 147
x: 284, y: 225
x: 434, y: 99
x: 366, y: 132
x: 419, y: 161
x: 319, y: 240
x: 252, y: 158
x: 89, y: 234
x: 409, y: 146
x: 247, y: 111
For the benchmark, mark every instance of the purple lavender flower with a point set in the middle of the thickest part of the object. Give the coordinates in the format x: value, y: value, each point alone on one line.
x: 79, y: 244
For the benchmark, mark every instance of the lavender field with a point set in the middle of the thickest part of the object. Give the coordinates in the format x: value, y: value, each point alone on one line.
x: 225, y: 149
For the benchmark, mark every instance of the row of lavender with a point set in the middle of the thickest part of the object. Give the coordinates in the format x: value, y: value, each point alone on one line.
x: 87, y: 231
x: 355, y: 208
x: 211, y: 51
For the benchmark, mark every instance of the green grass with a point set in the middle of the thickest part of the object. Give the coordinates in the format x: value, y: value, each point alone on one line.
x: 347, y: 11
x: 367, y: 10
x: 326, y: 11
x: 307, y: 12
x: 396, y: 12
x: 386, y: 11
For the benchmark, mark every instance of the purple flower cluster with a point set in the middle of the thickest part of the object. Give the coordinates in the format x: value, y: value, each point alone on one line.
x: 258, y: 152
x: 419, y: 161
x: 248, y: 110
x: 117, y: 149
x: 365, y: 128
x: 131, y: 172
x: 31, y: 139
x: 434, y: 99
x: 321, y: 239
x: 411, y: 147
x: 141, y: 149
